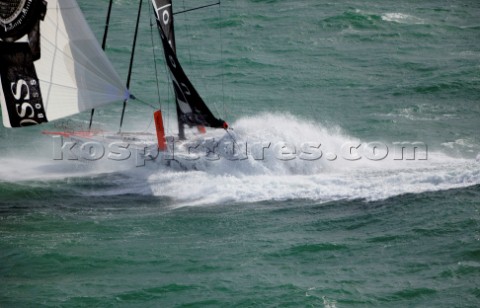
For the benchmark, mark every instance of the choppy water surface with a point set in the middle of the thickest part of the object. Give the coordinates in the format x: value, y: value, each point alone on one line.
x: 329, y: 232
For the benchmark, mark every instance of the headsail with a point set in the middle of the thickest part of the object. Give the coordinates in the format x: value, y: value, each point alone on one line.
x: 191, y: 109
x: 51, y: 65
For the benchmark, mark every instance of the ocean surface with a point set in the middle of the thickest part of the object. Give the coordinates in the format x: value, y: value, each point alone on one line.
x: 322, y: 210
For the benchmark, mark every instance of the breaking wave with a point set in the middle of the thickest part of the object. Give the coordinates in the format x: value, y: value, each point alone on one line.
x: 269, y: 162
x: 325, y: 179
x: 402, y: 18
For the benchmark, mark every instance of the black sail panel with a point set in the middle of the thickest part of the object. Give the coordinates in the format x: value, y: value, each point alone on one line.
x: 191, y: 109
x: 164, y: 15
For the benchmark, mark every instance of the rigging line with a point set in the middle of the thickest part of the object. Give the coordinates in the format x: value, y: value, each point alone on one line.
x: 155, y: 66
x: 197, y: 8
x: 149, y: 125
x: 206, y: 87
x: 151, y: 118
x: 189, y: 37
x: 148, y: 105
x: 104, y: 42
x: 154, y: 57
x: 132, y: 55
x: 222, y: 69
x: 169, y: 94
x: 233, y: 138
x: 145, y: 103
x: 170, y: 97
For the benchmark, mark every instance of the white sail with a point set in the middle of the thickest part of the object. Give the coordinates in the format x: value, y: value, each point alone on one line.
x: 71, y: 69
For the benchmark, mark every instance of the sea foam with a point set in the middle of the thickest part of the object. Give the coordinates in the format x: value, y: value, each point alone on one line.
x: 402, y: 18
x: 324, y: 179
x: 348, y: 168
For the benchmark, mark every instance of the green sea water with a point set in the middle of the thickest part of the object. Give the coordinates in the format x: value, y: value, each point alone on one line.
x: 254, y: 233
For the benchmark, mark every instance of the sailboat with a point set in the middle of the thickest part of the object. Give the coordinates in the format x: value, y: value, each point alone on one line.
x: 52, y: 67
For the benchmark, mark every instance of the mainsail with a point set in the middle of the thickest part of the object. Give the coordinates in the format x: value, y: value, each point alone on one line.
x: 191, y: 109
x: 51, y: 65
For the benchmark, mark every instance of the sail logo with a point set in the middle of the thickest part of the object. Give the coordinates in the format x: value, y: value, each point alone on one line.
x: 27, y: 107
x: 20, y: 97
x: 181, y: 91
x: 13, y: 17
x: 165, y: 12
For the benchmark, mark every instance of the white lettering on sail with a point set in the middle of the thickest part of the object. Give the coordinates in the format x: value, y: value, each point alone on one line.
x: 166, y: 17
x: 172, y: 61
x: 185, y: 89
x: 26, y: 122
x: 159, y: 9
x: 22, y: 110
x: 25, y: 110
x: 181, y: 99
x: 22, y: 84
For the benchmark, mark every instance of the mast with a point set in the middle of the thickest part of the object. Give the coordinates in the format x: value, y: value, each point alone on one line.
x: 132, y: 56
x: 104, y: 43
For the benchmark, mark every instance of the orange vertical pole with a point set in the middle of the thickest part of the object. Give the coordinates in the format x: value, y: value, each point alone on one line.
x: 162, y: 144
x: 201, y: 129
